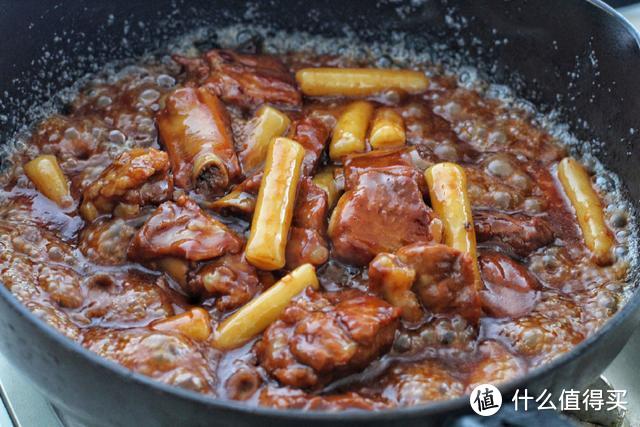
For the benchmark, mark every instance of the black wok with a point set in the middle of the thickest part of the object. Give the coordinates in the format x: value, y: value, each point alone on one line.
x: 45, y: 46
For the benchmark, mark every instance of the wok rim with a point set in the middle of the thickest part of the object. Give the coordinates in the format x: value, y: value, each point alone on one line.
x: 438, y: 407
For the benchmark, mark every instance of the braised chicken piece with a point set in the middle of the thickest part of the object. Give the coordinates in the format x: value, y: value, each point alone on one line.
x: 381, y: 210
x: 167, y: 357
x: 136, y: 178
x: 394, y: 280
x: 105, y: 240
x: 306, y: 245
x: 307, y: 242
x: 230, y: 280
x: 83, y: 173
x: 518, y: 233
x: 312, y: 133
x: 181, y: 229
x: 195, y: 129
x: 244, y: 80
x: 509, y: 289
x: 241, y: 199
x: 125, y: 300
x: 439, y: 276
x: 322, y: 336
x: 393, y: 161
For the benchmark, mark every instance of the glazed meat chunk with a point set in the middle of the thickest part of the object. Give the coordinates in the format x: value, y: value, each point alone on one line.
x: 230, y: 279
x: 312, y: 133
x: 243, y: 80
x: 307, y: 243
x: 105, y: 241
x: 82, y: 173
x: 518, y: 233
x: 311, y: 206
x: 320, y: 337
x: 130, y: 299
x: 509, y: 289
x: 441, y: 277
x: 444, y: 279
x: 195, y: 129
x: 167, y: 357
x: 181, y: 229
x: 392, y: 161
x: 393, y: 279
x: 134, y: 179
x: 382, y: 210
x: 242, y: 198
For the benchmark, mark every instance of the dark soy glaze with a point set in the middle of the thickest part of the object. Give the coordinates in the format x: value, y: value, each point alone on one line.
x: 542, y: 294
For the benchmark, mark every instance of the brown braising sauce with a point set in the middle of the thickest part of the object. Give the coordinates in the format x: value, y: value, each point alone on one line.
x: 145, y: 256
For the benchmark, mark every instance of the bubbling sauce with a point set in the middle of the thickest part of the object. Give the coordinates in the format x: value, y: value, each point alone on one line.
x: 542, y: 291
